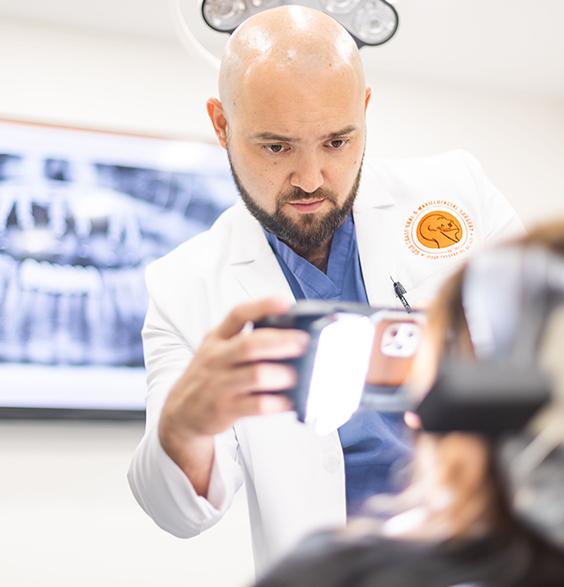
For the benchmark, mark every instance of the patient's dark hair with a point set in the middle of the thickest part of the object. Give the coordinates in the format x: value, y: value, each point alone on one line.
x: 446, y: 314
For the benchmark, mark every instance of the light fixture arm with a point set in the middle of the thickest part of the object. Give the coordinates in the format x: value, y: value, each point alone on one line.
x: 187, y: 37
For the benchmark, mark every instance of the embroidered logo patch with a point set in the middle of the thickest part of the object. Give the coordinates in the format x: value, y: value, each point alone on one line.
x: 439, y: 229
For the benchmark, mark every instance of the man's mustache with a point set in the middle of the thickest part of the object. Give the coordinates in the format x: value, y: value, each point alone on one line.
x: 298, y: 195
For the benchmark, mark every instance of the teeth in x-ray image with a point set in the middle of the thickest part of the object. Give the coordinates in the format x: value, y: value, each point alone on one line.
x: 73, y: 254
x: 70, y: 314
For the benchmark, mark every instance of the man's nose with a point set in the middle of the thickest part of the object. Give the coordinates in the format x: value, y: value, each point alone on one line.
x: 307, y: 174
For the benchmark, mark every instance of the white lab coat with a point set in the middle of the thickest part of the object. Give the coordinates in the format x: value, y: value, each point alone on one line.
x: 294, y: 479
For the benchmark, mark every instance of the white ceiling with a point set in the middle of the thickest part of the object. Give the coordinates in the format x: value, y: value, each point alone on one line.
x: 515, y: 44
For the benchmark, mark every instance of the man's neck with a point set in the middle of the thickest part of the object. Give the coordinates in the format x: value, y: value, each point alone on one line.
x: 319, y: 257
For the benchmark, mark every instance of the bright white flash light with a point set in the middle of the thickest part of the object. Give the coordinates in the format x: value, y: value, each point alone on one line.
x: 339, y: 372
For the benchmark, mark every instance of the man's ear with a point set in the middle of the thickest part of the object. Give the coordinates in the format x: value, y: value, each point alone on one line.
x: 218, y: 120
x: 367, y: 96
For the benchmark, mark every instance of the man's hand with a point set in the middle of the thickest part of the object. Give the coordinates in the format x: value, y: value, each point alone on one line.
x: 221, y: 383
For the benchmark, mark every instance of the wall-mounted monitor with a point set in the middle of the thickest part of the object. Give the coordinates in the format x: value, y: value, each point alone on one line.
x: 82, y: 212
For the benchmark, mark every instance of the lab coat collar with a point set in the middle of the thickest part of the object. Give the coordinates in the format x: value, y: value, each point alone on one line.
x: 371, y: 212
x: 249, y: 242
x: 373, y: 191
x: 254, y: 264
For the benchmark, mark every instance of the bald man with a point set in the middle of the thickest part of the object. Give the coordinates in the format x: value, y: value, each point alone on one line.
x: 291, y: 116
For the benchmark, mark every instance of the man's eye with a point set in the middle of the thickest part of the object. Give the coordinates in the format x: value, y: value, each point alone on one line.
x: 276, y: 148
x: 337, y: 143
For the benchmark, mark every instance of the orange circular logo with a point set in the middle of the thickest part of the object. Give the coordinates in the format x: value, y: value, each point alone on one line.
x: 438, y: 230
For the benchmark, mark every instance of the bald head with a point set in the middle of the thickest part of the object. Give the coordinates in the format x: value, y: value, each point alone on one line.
x: 292, y: 117
x: 287, y: 43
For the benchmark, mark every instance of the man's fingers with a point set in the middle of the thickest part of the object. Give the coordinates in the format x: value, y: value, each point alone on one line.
x: 258, y: 377
x: 240, y: 315
x: 262, y: 404
x: 264, y: 344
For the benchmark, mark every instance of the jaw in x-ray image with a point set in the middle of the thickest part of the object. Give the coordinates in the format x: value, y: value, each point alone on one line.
x: 75, y: 236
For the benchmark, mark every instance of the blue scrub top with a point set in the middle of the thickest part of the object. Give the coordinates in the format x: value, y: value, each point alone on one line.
x: 374, y: 445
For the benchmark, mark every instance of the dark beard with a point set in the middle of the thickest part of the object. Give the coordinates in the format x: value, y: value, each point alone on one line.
x: 311, y: 232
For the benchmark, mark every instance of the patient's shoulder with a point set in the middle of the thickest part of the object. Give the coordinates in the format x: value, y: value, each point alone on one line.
x: 338, y: 559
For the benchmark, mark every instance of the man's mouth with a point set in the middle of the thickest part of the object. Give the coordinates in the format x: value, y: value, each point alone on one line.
x: 307, y: 206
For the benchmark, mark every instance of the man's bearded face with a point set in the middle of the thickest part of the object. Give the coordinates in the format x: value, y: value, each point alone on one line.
x: 307, y: 230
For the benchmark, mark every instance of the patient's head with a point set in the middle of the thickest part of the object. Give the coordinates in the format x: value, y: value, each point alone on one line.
x: 456, y: 490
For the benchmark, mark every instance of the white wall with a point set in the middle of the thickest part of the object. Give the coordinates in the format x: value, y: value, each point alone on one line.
x: 106, y: 81
x: 519, y: 139
x: 66, y: 516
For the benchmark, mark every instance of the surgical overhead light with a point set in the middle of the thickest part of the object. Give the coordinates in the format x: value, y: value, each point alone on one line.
x: 370, y: 22
x: 204, y: 25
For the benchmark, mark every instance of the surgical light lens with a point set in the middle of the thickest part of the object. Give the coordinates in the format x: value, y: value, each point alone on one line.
x: 370, y: 22
x: 262, y: 3
x: 224, y: 15
x: 375, y: 22
x: 339, y: 6
x: 339, y: 372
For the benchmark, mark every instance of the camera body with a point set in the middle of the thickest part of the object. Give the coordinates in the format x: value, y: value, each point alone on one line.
x: 381, y: 353
x: 311, y: 316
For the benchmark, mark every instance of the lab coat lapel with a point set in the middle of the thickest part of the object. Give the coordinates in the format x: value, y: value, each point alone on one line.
x: 373, y: 212
x: 252, y: 261
x: 255, y: 267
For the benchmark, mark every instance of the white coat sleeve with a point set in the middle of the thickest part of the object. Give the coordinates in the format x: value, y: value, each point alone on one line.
x: 499, y: 220
x: 160, y: 487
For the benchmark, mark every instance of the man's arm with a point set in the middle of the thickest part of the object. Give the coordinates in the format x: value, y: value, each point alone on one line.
x: 184, y: 472
x: 221, y: 383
